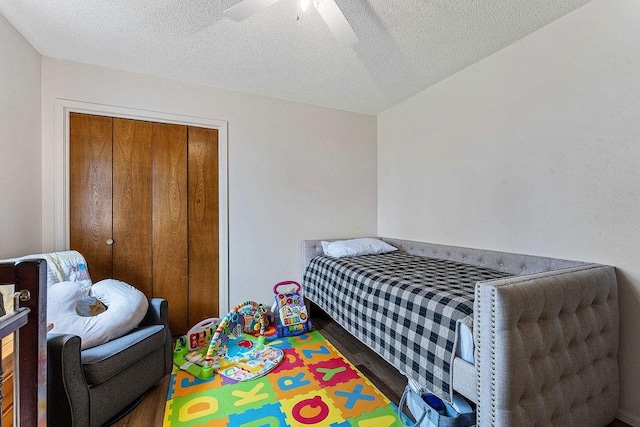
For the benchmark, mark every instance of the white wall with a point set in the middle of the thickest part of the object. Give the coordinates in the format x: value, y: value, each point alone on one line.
x: 20, y: 158
x: 296, y: 171
x: 534, y: 150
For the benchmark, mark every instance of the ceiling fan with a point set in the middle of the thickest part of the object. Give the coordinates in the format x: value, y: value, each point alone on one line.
x: 328, y: 9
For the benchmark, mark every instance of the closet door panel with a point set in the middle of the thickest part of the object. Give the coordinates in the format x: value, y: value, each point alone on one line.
x: 203, y: 224
x: 90, y: 191
x: 132, y: 188
x: 170, y: 250
x: 144, y: 209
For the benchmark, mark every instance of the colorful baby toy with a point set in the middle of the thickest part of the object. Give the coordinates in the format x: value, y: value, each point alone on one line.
x: 294, y: 319
x: 200, y: 334
x: 230, y: 352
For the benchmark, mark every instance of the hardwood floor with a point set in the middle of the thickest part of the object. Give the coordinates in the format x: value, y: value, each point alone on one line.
x: 150, y: 412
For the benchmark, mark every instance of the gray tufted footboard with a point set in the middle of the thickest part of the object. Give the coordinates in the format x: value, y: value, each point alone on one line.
x: 546, y: 348
x: 546, y: 340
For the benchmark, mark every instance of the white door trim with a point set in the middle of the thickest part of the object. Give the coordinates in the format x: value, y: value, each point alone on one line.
x: 61, y: 171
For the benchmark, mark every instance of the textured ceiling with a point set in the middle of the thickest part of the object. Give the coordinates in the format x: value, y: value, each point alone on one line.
x: 405, y: 45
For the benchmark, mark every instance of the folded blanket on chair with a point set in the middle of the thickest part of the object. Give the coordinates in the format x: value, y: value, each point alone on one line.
x: 63, y: 266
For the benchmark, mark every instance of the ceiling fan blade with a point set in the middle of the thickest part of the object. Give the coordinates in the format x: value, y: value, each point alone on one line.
x: 246, y: 8
x: 336, y: 21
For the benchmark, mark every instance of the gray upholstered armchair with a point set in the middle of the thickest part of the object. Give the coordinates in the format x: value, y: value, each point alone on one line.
x: 92, y: 386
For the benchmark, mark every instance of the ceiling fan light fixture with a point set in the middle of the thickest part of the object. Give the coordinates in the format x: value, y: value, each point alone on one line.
x: 328, y: 10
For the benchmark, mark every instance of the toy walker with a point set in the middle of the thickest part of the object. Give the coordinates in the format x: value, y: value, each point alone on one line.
x: 230, y: 352
x: 294, y: 319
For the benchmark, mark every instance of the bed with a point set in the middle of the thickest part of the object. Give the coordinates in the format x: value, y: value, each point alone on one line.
x: 542, y: 333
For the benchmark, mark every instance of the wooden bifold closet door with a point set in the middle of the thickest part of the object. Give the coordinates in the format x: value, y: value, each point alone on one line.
x: 144, y: 209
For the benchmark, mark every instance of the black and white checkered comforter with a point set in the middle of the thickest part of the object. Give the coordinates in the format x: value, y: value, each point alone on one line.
x: 405, y: 307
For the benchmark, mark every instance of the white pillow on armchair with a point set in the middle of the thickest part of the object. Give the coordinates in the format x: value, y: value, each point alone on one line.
x: 126, y: 307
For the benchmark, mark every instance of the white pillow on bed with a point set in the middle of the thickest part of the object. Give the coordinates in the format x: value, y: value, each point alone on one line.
x: 126, y: 307
x: 356, y: 247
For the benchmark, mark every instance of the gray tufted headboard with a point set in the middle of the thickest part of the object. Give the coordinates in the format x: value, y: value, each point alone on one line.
x: 546, y: 340
x: 516, y: 264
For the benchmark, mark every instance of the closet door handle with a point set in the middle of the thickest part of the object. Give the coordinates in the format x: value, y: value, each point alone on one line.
x: 109, y: 241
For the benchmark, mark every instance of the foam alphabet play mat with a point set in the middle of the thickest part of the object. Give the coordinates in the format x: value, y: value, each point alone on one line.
x: 314, y: 385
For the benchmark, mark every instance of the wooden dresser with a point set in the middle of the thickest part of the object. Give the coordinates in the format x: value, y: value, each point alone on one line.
x: 7, y: 381
x: 29, y: 317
